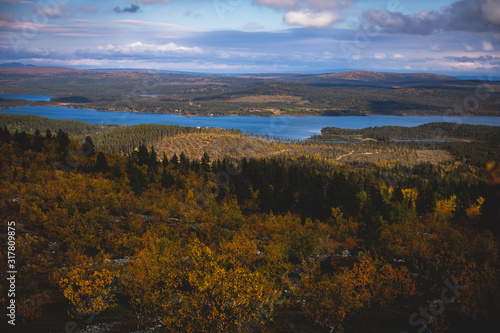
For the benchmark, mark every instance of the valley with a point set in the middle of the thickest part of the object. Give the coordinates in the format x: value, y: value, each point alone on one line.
x: 192, y: 94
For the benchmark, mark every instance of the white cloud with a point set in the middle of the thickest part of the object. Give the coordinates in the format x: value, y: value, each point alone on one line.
x: 379, y: 56
x: 398, y: 56
x: 435, y: 47
x: 146, y: 49
x: 487, y: 45
x: 156, y: 29
x: 309, y: 13
x: 158, y: 26
x: 468, y: 48
x: 312, y: 19
x: 228, y: 54
x: 139, y: 49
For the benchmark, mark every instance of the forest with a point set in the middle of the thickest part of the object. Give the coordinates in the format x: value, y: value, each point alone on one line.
x: 336, y: 94
x: 174, y: 229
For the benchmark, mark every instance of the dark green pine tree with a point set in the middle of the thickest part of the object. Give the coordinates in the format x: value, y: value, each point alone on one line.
x: 205, y: 162
x: 426, y: 200
x: 167, y: 179
x: 63, y: 140
x: 183, y: 161
x: 23, y: 140
x: 142, y: 155
x: 38, y: 142
x: 88, y: 147
x: 4, y: 134
x: 153, y: 159
x: 175, y: 161
x: 101, y: 164
x: 195, y: 166
x: 164, y: 161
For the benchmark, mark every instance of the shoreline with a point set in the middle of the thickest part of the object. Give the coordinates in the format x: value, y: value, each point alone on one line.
x: 79, y: 107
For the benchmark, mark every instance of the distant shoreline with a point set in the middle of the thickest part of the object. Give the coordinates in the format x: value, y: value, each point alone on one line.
x: 8, y: 105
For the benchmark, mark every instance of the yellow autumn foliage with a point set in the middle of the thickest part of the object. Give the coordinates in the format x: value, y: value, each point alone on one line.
x: 89, y: 293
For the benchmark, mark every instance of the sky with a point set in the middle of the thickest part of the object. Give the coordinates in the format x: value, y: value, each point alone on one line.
x: 255, y: 36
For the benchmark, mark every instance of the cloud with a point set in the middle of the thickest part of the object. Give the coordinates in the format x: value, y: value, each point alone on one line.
x: 422, y: 23
x: 463, y: 15
x: 190, y: 13
x: 471, y: 59
x: 379, y: 56
x: 132, y: 9
x: 4, y: 18
x: 487, y: 46
x: 147, y: 2
x: 86, y: 9
x: 435, y: 47
x: 312, y: 4
x: 309, y: 13
x: 154, y: 25
x: 57, y: 10
x: 53, y: 10
x: 467, y: 15
x: 137, y: 49
x: 329, y: 4
x: 162, y: 31
x: 253, y: 26
x: 277, y: 3
x: 491, y: 11
x: 468, y: 48
x: 16, y: 1
x: 312, y: 19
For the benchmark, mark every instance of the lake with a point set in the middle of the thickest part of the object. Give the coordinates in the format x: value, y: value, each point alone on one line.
x: 31, y: 98
x: 283, y: 127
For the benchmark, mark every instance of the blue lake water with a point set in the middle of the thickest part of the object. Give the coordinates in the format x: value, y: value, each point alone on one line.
x: 31, y: 98
x: 283, y: 127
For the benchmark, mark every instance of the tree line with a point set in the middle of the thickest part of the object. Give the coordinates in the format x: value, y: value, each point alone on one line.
x: 270, y: 244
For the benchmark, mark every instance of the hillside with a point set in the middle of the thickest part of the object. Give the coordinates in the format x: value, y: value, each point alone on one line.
x: 384, y: 76
x: 42, y: 70
x: 142, y: 244
x: 221, y: 143
x: 297, y: 94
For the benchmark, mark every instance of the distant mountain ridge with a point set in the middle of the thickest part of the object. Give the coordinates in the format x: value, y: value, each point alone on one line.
x: 41, y: 70
x: 353, y: 75
x: 385, y: 76
x: 15, y: 64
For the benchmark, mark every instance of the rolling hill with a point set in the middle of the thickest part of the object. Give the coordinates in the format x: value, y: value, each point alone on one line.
x: 297, y: 94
